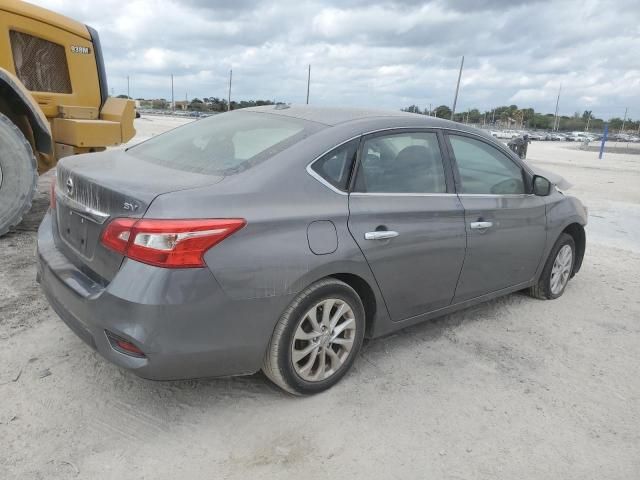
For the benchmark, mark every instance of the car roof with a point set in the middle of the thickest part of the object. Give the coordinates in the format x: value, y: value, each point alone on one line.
x: 332, y: 116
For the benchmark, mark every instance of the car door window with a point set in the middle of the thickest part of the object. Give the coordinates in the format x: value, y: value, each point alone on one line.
x: 483, y: 169
x: 335, y: 166
x: 401, y: 163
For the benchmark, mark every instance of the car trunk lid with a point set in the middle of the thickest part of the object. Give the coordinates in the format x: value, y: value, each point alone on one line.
x: 93, y: 189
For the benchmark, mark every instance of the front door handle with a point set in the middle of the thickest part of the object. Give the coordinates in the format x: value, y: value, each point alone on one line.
x: 380, y: 235
x: 481, y: 225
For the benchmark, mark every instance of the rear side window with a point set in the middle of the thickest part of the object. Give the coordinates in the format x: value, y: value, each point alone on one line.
x: 224, y: 144
x: 335, y: 167
x: 483, y: 169
x: 40, y: 65
x: 401, y: 163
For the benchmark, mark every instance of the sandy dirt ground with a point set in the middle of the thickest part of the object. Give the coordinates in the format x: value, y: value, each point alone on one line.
x: 513, y: 389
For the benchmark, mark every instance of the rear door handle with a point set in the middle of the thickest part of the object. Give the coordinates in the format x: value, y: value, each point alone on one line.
x: 380, y: 235
x: 481, y: 225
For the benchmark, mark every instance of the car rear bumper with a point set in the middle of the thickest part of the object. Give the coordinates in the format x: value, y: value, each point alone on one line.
x: 181, y: 319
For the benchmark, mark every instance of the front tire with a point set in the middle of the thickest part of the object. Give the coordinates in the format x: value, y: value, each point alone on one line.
x: 317, y: 338
x: 557, y: 270
x: 18, y: 175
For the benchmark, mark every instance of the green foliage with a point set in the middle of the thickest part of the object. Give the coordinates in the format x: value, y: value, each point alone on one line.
x: 159, y: 104
x: 615, y: 123
x: 197, y: 105
x: 511, y: 115
x: 412, y: 109
x: 443, y: 112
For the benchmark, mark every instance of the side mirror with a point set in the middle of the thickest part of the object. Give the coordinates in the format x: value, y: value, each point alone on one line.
x: 541, y: 186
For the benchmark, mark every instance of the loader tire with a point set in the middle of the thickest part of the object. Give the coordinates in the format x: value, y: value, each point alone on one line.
x: 18, y: 175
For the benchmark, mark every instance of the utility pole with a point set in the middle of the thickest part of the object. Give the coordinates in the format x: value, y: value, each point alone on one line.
x: 455, y: 99
x: 430, y: 110
x: 624, y: 120
x: 556, y: 121
x: 229, y: 99
x: 128, y: 91
x: 173, y: 103
x: 308, y: 82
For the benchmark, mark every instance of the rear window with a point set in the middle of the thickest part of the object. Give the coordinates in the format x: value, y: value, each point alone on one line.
x: 224, y: 144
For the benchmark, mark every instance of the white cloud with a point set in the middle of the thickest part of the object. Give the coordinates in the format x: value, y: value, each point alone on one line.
x: 376, y: 53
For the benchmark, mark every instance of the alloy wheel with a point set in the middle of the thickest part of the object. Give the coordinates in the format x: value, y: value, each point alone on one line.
x: 323, y: 339
x: 561, y: 270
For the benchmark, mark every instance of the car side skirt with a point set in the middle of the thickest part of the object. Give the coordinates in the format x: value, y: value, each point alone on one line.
x: 390, y: 327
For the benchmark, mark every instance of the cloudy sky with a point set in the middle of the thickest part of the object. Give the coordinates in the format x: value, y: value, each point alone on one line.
x: 375, y: 53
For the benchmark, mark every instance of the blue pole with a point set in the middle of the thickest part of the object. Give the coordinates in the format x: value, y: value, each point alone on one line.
x: 604, y: 139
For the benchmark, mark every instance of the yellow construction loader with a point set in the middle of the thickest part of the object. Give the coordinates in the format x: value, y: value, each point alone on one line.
x: 54, y: 100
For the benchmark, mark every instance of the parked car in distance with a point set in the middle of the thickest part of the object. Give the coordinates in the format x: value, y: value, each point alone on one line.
x: 558, y: 137
x: 537, y: 136
x: 507, y: 134
x: 278, y: 238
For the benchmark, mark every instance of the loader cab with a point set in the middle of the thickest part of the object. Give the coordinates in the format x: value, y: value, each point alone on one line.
x: 59, y: 62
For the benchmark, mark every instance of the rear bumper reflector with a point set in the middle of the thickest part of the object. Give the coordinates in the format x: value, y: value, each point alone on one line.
x: 123, y: 346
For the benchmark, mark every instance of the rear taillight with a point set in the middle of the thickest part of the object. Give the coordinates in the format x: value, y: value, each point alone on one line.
x: 168, y: 243
x: 52, y: 193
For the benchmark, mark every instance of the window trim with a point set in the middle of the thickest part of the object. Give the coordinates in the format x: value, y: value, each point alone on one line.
x: 448, y: 174
x: 448, y: 159
x: 524, y: 171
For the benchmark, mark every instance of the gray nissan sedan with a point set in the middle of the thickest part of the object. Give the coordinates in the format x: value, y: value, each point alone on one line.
x: 278, y: 238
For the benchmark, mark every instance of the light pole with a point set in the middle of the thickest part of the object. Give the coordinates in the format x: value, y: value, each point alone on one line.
x: 229, y: 96
x: 556, y: 120
x: 308, y: 82
x: 455, y: 99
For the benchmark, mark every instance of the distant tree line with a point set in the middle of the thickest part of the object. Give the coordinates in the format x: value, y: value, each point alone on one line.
x: 206, y: 104
x: 215, y: 104
x: 515, y: 117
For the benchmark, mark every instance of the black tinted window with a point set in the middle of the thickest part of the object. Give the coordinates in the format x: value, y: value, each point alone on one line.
x: 401, y: 163
x: 224, y: 144
x: 335, y: 166
x: 484, y: 169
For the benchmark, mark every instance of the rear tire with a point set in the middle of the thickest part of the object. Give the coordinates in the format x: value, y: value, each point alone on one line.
x: 549, y: 287
x: 18, y: 175
x: 310, y: 352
